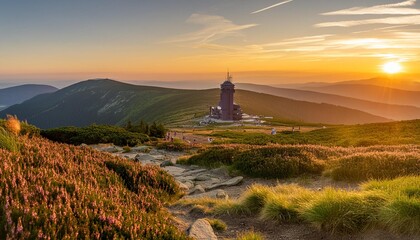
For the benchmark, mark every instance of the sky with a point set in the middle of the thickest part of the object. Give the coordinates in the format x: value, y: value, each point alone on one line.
x: 264, y: 41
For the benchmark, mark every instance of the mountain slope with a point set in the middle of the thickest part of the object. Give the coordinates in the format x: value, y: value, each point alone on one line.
x: 372, y: 93
x: 14, y: 95
x: 111, y: 102
x: 396, y: 112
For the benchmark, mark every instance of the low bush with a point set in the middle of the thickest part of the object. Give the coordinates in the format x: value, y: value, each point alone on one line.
x: 95, y: 134
x: 175, y: 145
x: 380, y: 165
x: 213, y: 157
x: 278, y: 162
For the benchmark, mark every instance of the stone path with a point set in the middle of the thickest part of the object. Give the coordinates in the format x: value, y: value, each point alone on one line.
x: 194, y: 180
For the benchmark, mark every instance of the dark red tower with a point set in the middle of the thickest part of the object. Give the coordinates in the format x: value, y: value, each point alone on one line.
x: 226, y: 98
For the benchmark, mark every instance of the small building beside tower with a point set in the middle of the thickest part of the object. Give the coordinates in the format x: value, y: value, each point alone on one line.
x: 227, y: 110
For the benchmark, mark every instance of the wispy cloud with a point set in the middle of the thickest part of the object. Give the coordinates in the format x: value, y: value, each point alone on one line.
x: 388, y: 9
x: 272, y: 6
x: 406, y: 20
x: 214, y: 28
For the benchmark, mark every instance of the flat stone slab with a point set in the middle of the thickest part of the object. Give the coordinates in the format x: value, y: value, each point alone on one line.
x: 202, y: 230
x: 231, y: 182
x: 189, y: 173
x: 174, y: 171
x: 218, y: 193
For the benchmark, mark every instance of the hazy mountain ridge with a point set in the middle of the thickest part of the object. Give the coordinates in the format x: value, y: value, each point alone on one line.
x: 18, y: 94
x: 395, y: 112
x: 112, y: 102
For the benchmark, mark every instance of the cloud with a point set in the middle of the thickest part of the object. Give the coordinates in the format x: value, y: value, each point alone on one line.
x: 214, y: 28
x: 388, y: 9
x: 406, y: 20
x: 272, y: 6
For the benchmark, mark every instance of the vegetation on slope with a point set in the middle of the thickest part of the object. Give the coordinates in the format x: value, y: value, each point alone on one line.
x: 393, y: 205
x: 283, y: 161
x: 115, y: 103
x: 57, y: 191
x: 95, y: 134
x: 393, y: 133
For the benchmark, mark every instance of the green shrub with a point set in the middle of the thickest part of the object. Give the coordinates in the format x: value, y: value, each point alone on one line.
x: 380, y: 165
x: 340, y: 211
x: 278, y: 162
x: 402, y: 215
x: 95, y: 134
x: 214, y: 157
x: 175, y: 145
x: 8, y: 141
x: 217, y: 224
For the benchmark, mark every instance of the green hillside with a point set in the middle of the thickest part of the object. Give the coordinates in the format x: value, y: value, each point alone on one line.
x: 393, y: 133
x: 111, y: 102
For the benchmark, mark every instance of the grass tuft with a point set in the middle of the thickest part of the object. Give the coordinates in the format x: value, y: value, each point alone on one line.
x: 250, y: 235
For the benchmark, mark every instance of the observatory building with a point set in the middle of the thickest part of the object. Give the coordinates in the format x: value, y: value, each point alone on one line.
x: 227, y: 110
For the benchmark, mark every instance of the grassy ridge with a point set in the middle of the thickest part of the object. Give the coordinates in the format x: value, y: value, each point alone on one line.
x: 394, y: 133
x: 57, y: 191
x: 392, y: 205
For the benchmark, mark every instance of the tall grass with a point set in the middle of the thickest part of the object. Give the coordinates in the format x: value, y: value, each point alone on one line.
x: 8, y: 141
x: 377, y: 165
x: 393, y: 205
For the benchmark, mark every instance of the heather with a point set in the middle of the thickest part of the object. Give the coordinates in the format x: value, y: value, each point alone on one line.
x: 58, y: 191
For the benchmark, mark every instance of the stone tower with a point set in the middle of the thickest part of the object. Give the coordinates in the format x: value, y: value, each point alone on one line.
x: 226, y: 98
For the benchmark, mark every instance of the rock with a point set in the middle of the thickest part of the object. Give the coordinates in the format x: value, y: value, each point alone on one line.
x: 183, y: 187
x: 110, y: 149
x: 201, y: 230
x: 184, y: 179
x: 197, y: 189
x: 219, y: 193
x: 222, y: 171
x: 166, y: 164
x: 203, y: 177
x: 143, y: 149
x: 189, y: 173
x: 231, y: 182
x: 144, y: 157
x: 174, y: 171
x: 189, y: 184
x: 83, y: 145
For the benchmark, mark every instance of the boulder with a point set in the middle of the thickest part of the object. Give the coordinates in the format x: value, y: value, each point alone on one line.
x: 231, y: 182
x: 201, y: 230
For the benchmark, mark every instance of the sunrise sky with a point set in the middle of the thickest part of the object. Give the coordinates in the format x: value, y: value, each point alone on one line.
x: 266, y: 40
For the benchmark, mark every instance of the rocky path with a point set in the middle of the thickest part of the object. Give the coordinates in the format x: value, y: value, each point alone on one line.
x: 199, y: 182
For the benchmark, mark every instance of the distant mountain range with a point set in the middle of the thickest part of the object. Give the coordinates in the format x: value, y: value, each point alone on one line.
x: 110, y: 102
x: 373, y: 93
x: 391, y: 111
x: 14, y: 95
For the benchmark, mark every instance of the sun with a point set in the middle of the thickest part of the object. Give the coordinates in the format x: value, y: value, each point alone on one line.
x: 392, y: 67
